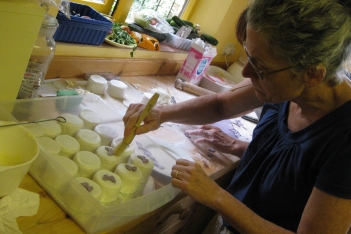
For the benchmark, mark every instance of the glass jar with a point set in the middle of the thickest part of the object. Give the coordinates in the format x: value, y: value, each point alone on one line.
x: 40, y: 59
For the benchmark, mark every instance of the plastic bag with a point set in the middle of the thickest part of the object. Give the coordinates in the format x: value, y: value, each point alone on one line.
x: 61, y: 5
x: 64, y: 8
x: 153, y: 21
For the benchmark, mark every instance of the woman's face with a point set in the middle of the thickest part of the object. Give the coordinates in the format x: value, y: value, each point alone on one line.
x: 277, y: 87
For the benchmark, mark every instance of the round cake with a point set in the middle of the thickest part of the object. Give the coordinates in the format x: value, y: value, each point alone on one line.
x: 131, y: 177
x: 88, y: 163
x: 146, y: 97
x: 106, y: 133
x: 72, y: 125
x: 93, y: 188
x: 110, y: 184
x: 35, y: 129
x: 69, y: 165
x: 78, y: 200
x: 69, y: 145
x: 88, y: 140
x: 90, y: 119
x: 51, y: 128
x: 108, y: 160
x: 117, y: 89
x: 96, y: 84
x: 124, y: 157
x: 50, y: 145
x: 53, y: 175
x: 145, y: 165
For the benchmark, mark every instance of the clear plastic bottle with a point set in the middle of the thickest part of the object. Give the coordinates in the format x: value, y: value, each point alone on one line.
x: 40, y: 59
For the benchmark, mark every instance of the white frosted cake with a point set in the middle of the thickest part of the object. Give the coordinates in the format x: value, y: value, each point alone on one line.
x: 110, y: 184
x: 69, y: 165
x: 50, y: 145
x: 72, y: 125
x: 145, y: 165
x: 88, y: 140
x: 53, y: 175
x: 96, y: 84
x: 69, y: 145
x: 76, y: 198
x: 146, y: 97
x: 117, y: 89
x: 90, y: 119
x: 106, y: 133
x: 51, y: 128
x: 88, y: 163
x: 131, y: 177
x: 35, y: 129
x: 109, y: 161
x: 93, y: 188
x: 127, y: 152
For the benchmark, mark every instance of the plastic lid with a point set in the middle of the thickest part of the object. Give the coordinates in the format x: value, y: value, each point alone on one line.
x: 49, y: 22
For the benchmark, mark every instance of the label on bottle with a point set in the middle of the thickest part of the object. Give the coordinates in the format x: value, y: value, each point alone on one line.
x: 30, y: 81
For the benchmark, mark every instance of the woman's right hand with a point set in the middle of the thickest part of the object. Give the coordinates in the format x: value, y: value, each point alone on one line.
x: 150, y: 123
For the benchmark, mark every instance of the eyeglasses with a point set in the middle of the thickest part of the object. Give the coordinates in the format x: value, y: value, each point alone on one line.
x: 260, y: 73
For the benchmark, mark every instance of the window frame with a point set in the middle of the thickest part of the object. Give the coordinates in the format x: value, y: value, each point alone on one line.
x: 103, y: 8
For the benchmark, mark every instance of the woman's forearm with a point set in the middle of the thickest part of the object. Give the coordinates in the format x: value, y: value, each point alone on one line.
x: 213, y: 107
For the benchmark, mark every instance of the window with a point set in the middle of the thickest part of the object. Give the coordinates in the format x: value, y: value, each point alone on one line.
x: 166, y: 8
x: 122, y: 10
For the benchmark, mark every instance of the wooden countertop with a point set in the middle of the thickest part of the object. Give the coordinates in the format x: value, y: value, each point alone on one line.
x: 52, y: 219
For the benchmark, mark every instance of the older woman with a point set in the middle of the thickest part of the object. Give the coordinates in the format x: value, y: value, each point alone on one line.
x: 295, y: 174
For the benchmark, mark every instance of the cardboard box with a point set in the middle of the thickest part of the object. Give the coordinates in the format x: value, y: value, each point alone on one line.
x: 196, y: 63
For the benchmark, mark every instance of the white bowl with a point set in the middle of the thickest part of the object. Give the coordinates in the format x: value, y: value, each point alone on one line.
x: 218, y: 80
x: 18, y: 149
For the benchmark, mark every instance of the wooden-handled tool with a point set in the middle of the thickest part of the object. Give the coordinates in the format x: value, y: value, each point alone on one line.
x: 191, y: 88
x: 128, y: 139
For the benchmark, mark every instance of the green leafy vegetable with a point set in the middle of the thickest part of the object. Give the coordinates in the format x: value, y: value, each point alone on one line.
x: 120, y: 36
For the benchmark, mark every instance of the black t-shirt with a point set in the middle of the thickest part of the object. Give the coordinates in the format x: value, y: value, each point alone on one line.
x: 279, y: 169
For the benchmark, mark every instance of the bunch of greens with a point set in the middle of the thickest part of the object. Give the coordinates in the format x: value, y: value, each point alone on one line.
x: 121, y: 36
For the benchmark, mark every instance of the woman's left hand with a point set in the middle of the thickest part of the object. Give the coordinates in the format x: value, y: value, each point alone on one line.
x: 218, y: 140
x: 192, y: 179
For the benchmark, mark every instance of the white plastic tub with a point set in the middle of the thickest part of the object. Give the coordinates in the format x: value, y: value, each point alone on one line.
x: 91, y: 215
x: 218, y: 80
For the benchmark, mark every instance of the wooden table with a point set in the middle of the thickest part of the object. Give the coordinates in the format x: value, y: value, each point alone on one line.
x: 181, y: 215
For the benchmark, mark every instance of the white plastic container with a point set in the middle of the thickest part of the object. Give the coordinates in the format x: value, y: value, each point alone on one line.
x: 94, y: 217
x: 18, y: 150
x: 218, y: 80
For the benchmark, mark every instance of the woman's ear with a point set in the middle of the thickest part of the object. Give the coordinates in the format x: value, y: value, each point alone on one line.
x: 314, y: 75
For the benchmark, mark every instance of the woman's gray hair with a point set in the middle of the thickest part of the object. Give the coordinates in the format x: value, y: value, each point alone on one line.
x: 306, y: 32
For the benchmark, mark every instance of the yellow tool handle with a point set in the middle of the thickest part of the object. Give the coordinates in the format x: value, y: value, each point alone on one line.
x: 150, y: 104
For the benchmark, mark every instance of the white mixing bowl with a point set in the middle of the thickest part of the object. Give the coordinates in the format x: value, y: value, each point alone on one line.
x: 18, y: 149
x: 218, y: 80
